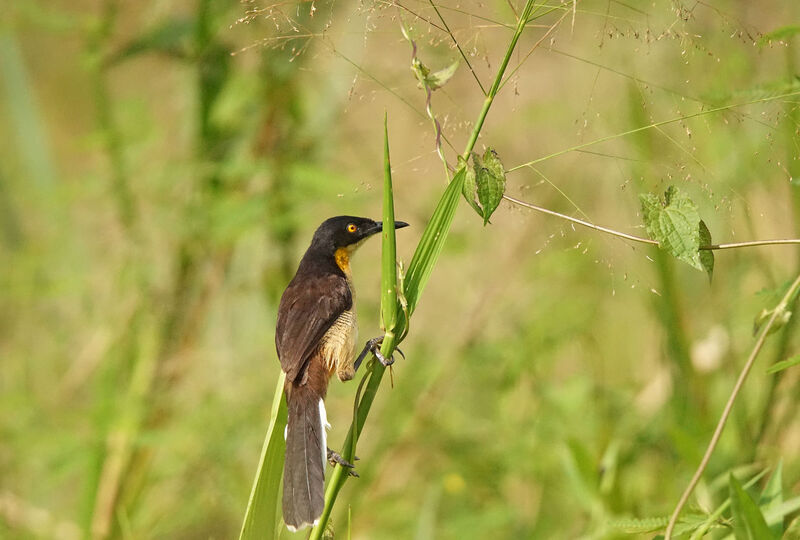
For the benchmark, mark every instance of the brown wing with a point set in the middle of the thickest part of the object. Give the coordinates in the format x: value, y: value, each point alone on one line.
x: 307, y: 310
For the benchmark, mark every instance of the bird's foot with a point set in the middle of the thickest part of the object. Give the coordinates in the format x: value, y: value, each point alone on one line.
x: 335, y: 458
x: 374, y: 346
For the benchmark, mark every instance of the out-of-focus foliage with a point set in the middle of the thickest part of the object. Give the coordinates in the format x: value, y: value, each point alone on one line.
x: 163, y: 165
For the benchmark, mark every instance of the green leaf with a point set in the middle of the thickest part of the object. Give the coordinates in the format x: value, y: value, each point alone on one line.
x: 491, y: 180
x: 772, y: 498
x: 675, y: 224
x: 262, y: 519
x: 470, y: 189
x: 486, y: 179
x: 706, y: 255
x: 432, y: 241
x: 748, y: 522
x: 784, y: 364
x: 389, y: 245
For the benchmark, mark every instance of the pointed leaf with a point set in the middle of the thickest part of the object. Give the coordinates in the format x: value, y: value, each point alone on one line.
x: 389, y: 247
x: 748, y: 522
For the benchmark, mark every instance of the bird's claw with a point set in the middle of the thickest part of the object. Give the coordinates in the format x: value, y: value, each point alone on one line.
x: 335, y: 458
x: 374, y: 346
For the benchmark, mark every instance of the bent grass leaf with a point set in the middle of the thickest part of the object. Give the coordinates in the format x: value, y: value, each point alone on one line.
x: 748, y: 521
x: 675, y: 224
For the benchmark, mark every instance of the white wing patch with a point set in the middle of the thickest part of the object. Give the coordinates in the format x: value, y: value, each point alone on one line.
x: 323, y: 417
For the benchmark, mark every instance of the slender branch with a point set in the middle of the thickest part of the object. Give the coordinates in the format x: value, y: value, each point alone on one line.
x: 753, y: 243
x: 458, y: 46
x: 779, y: 309
x: 581, y: 222
x: 643, y: 240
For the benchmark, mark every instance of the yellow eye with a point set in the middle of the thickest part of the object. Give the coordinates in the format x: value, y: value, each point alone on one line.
x: 352, y: 228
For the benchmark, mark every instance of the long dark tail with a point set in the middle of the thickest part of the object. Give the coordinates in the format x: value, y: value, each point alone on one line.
x: 304, y: 467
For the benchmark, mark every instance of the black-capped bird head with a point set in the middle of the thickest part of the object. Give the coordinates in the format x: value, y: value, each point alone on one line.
x: 347, y: 232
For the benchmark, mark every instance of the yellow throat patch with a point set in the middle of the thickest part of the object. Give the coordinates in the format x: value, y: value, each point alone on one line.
x: 342, y: 256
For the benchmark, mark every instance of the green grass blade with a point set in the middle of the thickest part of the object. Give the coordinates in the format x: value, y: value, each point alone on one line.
x: 432, y: 241
x: 389, y: 246
x: 262, y: 519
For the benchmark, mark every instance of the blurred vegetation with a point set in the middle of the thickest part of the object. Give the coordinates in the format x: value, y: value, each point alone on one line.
x: 163, y: 165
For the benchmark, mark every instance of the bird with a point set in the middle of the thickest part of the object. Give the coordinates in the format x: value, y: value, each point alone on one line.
x: 315, y: 337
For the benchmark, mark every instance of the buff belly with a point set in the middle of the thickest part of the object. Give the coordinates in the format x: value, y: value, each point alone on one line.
x: 338, y: 344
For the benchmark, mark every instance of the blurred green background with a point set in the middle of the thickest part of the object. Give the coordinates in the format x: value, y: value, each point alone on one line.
x: 163, y: 165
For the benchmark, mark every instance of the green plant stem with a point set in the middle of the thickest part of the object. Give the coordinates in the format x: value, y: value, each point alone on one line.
x: 487, y: 102
x: 779, y: 309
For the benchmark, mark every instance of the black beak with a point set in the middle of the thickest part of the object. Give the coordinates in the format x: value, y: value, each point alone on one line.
x: 379, y: 226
